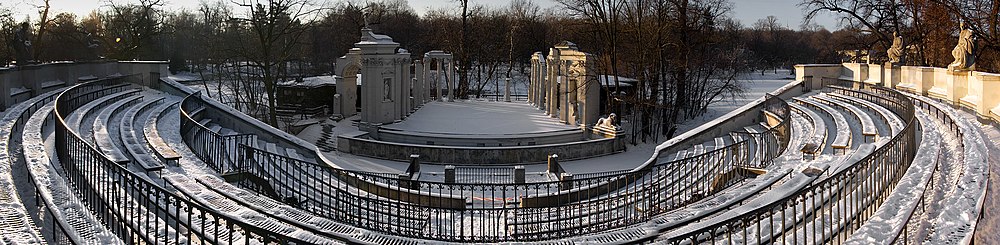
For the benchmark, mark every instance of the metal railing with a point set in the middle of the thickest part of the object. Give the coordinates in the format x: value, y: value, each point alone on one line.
x: 829, y: 210
x: 130, y: 205
x: 903, y: 235
x: 499, y: 211
x: 213, y: 148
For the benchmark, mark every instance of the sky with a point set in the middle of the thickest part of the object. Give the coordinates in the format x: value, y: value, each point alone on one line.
x: 747, y: 11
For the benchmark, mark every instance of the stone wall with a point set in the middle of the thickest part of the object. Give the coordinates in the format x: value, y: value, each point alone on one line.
x: 360, y: 144
x: 977, y: 91
x: 20, y: 83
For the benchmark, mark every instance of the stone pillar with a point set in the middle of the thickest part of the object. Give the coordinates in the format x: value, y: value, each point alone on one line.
x: 542, y: 86
x: 449, y: 174
x: 506, y: 91
x: 426, y: 78
x: 519, y: 175
x: 890, y: 75
x: 564, y: 88
x: 440, y: 78
x: 551, y: 97
x: 418, y: 83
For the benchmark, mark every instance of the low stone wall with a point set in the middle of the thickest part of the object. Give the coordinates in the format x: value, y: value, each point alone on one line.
x: 19, y: 83
x: 360, y: 144
x: 483, y: 140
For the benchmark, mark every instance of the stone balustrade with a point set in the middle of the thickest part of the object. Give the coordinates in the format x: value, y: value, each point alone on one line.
x: 973, y: 90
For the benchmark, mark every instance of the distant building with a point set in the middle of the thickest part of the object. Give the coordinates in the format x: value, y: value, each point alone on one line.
x: 306, y: 97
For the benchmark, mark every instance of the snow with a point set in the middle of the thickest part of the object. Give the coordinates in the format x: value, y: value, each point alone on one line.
x: 54, y: 191
x: 185, y: 77
x: 894, y: 213
x: 310, y: 82
x: 962, y: 207
x: 479, y: 118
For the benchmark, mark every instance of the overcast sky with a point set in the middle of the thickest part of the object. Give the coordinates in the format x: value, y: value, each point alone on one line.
x: 747, y: 11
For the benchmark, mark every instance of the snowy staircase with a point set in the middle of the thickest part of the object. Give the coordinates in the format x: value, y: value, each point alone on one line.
x: 327, y: 141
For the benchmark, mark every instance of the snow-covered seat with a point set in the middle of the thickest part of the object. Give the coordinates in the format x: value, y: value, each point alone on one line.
x: 104, y: 140
x: 842, y: 138
x: 75, y: 119
x: 135, y: 145
x: 817, y: 139
x: 152, y: 134
x: 888, y: 117
x: 868, y: 129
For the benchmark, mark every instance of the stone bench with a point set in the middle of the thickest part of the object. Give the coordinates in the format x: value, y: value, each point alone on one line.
x: 842, y: 138
x: 868, y: 129
x: 128, y: 138
x: 153, y: 139
x: 104, y: 141
x: 895, y: 123
x: 817, y: 140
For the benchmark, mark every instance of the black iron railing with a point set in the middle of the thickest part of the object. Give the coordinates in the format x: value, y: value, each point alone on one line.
x: 829, y: 210
x: 213, y: 148
x: 499, y: 211
x: 911, y: 226
x: 130, y: 205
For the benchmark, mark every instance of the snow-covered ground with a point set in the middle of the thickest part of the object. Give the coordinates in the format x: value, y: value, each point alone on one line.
x: 479, y: 118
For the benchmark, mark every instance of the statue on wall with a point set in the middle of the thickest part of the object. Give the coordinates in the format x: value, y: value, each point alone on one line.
x: 964, y: 52
x: 895, y: 51
x: 22, y: 44
x: 387, y: 89
x: 607, y: 122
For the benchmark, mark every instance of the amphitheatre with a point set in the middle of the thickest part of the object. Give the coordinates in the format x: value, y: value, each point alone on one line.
x: 119, y: 153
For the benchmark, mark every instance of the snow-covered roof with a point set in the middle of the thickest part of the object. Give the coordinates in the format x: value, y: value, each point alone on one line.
x: 311, y: 81
x: 608, y: 80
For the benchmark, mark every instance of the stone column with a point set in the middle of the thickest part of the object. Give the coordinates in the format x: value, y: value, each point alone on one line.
x: 440, y: 78
x: 418, y: 86
x: 506, y: 91
x: 540, y: 99
x: 426, y: 79
x: 531, y: 82
x: 564, y: 88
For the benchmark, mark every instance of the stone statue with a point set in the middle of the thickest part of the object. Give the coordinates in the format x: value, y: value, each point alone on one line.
x: 896, y: 50
x: 387, y: 89
x: 607, y: 122
x: 964, y: 52
x: 22, y: 44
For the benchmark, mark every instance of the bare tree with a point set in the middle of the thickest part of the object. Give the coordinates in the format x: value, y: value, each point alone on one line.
x: 275, y: 28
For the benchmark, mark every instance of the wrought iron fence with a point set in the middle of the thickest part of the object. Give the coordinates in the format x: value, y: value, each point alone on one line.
x: 903, y: 235
x: 500, y: 211
x: 829, y: 210
x: 213, y: 148
x: 130, y: 205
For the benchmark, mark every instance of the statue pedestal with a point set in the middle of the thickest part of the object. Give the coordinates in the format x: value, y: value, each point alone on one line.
x: 874, y: 76
x: 891, y: 75
x: 983, y: 93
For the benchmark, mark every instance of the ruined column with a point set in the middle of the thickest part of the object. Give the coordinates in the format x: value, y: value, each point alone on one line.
x: 506, y: 92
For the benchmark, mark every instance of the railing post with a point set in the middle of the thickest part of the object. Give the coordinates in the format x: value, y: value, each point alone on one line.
x: 553, y: 167
x: 566, y: 181
x: 414, y: 164
x: 449, y: 174
x: 519, y: 175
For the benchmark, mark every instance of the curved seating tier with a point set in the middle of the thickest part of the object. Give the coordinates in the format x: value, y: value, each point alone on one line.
x: 228, y: 180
